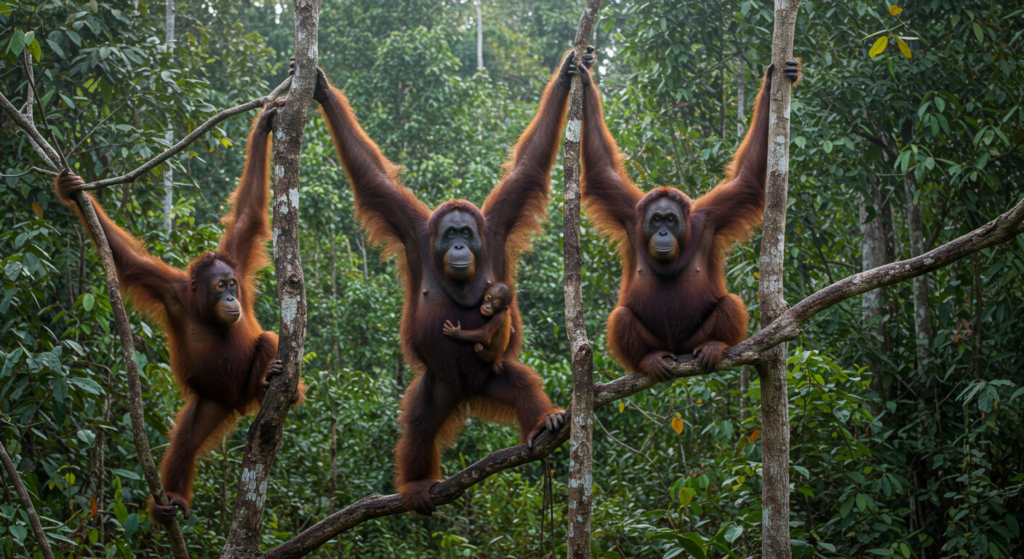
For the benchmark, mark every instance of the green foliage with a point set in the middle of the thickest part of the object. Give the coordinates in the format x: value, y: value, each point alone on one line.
x: 889, y: 459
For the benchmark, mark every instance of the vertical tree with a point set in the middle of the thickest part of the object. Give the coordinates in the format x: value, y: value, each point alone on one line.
x: 772, y: 366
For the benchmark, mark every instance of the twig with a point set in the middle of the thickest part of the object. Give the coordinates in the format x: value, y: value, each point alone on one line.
x: 187, y: 140
x: 26, y: 501
x: 97, y: 127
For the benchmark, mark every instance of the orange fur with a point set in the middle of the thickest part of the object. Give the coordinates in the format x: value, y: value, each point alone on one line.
x: 219, y: 369
x: 452, y: 380
x: 679, y: 306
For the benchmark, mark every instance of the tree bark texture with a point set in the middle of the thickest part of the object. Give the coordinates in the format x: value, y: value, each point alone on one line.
x: 873, y: 255
x: 581, y: 442
x: 741, y: 98
x: 264, y: 437
x: 922, y: 310
x: 169, y: 134
x: 772, y: 366
x: 479, y: 36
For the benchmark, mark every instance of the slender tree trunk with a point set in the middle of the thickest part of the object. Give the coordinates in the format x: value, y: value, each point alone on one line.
x: 922, y: 310
x: 581, y: 442
x: 264, y: 437
x: 334, y: 463
x: 334, y: 266
x: 741, y: 98
x: 772, y: 366
x: 26, y: 502
x: 979, y: 307
x: 224, y: 486
x: 479, y: 36
x: 873, y: 255
x: 169, y: 134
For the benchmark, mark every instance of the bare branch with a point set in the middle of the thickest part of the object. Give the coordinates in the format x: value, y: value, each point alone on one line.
x: 26, y: 501
x: 785, y: 328
x: 187, y: 140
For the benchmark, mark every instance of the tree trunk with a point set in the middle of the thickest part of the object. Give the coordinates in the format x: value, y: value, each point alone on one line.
x: 479, y: 36
x: 922, y: 310
x: 581, y: 442
x: 264, y: 437
x: 169, y: 134
x: 772, y: 366
x: 873, y: 254
x: 741, y: 98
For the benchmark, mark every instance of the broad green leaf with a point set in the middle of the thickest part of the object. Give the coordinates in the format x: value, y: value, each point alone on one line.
x: 732, y: 533
x: 34, y: 49
x: 88, y: 300
x: 879, y: 46
x: 86, y: 384
x: 126, y: 473
x: 978, y: 32
x: 826, y: 146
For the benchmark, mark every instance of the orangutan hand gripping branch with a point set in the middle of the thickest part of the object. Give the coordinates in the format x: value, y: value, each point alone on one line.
x: 220, y: 356
x: 673, y: 299
x: 450, y: 256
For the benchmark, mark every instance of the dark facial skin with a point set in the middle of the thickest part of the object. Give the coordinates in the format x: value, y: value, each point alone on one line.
x: 458, y: 245
x: 495, y: 300
x: 664, y: 228
x: 222, y: 287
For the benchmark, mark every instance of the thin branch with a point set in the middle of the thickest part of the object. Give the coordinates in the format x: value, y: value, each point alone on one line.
x: 97, y: 127
x: 26, y: 501
x: 145, y: 455
x: 785, y: 328
x: 187, y: 140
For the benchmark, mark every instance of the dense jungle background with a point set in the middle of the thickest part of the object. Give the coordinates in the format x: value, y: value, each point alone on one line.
x: 898, y: 449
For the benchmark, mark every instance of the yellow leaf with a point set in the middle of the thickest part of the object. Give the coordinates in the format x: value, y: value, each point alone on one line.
x: 37, y: 209
x: 903, y: 47
x: 621, y: 407
x: 677, y: 425
x: 757, y: 276
x: 92, y: 506
x: 895, y: 10
x: 879, y: 46
x: 685, y: 496
x: 754, y: 435
x: 699, y: 400
x: 225, y: 142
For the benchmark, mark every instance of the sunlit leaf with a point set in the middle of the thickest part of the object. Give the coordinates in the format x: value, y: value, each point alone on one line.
x: 677, y: 425
x: 903, y: 47
x: 878, y: 47
x: 621, y: 407
x: 895, y: 10
x: 685, y: 496
x: 37, y: 209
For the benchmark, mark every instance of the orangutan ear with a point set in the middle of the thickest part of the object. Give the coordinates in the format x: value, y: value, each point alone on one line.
x: 193, y: 285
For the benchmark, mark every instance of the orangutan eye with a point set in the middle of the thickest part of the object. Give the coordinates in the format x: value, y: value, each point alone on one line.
x: 220, y: 285
x: 671, y: 219
x: 451, y: 233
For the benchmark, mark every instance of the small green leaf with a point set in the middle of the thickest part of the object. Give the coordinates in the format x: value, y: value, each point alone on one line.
x: 978, y: 32
x: 34, y: 49
x: 88, y: 300
x: 127, y: 474
x: 19, y: 533
x: 879, y: 46
x: 827, y: 146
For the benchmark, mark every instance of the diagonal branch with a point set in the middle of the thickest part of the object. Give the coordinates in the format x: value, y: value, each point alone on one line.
x: 26, y: 501
x: 141, y: 440
x: 187, y: 140
x: 787, y: 327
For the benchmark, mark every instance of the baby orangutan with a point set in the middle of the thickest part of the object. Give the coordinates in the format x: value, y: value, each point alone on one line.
x: 492, y: 339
